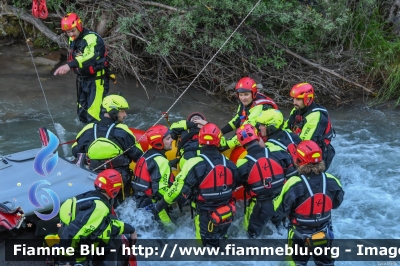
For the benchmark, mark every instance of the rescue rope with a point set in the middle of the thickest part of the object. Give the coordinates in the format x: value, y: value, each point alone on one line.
x: 164, y: 114
x: 212, y: 58
x: 37, y: 74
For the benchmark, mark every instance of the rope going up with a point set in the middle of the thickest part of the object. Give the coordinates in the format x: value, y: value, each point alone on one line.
x: 37, y: 74
x: 180, y: 96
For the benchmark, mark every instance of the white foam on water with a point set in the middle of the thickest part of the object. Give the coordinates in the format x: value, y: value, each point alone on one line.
x: 147, y: 228
x: 149, y: 117
x: 363, y: 164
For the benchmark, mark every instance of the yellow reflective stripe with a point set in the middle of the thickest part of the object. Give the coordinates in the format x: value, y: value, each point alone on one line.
x: 231, y: 123
x: 240, y: 162
x: 94, y: 108
x: 155, y: 136
x: 273, y: 147
x: 247, y: 215
x: 88, y: 126
x: 66, y: 211
x: 309, y: 128
x: 127, y: 130
x: 165, y: 171
x: 179, y: 125
x: 95, y: 219
x: 176, y: 188
x: 333, y: 177
x: 253, y: 115
x: 290, y: 182
x: 89, y: 51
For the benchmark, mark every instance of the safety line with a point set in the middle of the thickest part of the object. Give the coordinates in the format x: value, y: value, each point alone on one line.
x: 180, y: 96
x: 37, y: 73
x: 212, y: 58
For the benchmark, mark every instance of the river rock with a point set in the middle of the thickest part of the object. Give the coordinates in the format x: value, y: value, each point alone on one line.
x: 48, y: 59
x: 394, y: 16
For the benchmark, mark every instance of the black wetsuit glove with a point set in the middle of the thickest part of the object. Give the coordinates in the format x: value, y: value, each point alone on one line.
x: 155, y: 208
x: 226, y: 129
x: 174, y: 162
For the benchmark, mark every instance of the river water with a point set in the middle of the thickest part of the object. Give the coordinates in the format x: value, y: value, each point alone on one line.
x: 366, y: 162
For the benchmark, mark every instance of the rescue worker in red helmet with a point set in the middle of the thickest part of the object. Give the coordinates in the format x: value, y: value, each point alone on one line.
x: 152, y: 174
x: 308, y: 200
x: 87, y: 57
x: 207, y: 181
x: 87, y: 219
x: 186, y: 132
x: 110, y: 143
x: 311, y: 121
x: 262, y: 178
x: 252, y: 103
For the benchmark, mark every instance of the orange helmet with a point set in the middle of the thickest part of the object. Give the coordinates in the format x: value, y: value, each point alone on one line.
x: 303, y: 91
x: 70, y: 21
x: 109, y: 181
x: 246, y: 134
x: 247, y: 85
x: 305, y: 152
x: 210, y: 135
x: 155, y: 136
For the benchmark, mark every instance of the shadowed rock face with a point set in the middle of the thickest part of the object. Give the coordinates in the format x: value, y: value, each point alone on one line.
x: 394, y: 16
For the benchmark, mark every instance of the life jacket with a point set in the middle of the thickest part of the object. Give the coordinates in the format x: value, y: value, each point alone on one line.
x: 216, y: 187
x: 89, y: 68
x: 266, y: 177
x: 316, y: 209
x: 188, y: 142
x: 102, y: 147
x: 280, y: 143
x: 142, y: 178
x: 261, y: 99
x: 70, y: 208
x: 298, y: 122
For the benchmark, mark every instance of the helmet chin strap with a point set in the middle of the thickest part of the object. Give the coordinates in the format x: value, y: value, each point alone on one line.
x: 271, y: 130
x: 114, y: 115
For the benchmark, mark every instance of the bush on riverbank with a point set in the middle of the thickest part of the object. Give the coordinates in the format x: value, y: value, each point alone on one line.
x: 345, y: 48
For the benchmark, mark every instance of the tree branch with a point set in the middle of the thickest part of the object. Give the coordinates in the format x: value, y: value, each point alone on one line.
x: 151, y: 3
x: 14, y: 11
x: 320, y: 67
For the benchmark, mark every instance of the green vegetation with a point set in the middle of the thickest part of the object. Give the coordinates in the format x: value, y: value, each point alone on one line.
x: 171, y: 41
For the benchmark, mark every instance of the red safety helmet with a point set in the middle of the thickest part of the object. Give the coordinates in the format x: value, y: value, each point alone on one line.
x: 305, y: 152
x: 109, y: 181
x: 70, y: 21
x: 155, y: 136
x: 303, y: 91
x: 246, y: 134
x: 247, y: 85
x: 210, y: 135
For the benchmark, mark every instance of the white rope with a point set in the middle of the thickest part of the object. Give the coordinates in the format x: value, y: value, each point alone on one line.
x: 212, y: 58
x: 37, y: 74
x: 180, y: 96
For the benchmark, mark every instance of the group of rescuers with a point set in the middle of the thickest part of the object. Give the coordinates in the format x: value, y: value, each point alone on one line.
x: 283, y: 174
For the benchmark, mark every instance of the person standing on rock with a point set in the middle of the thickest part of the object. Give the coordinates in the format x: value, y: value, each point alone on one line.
x: 87, y: 57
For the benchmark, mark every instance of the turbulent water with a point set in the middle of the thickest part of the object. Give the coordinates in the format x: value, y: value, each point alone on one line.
x: 366, y: 144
